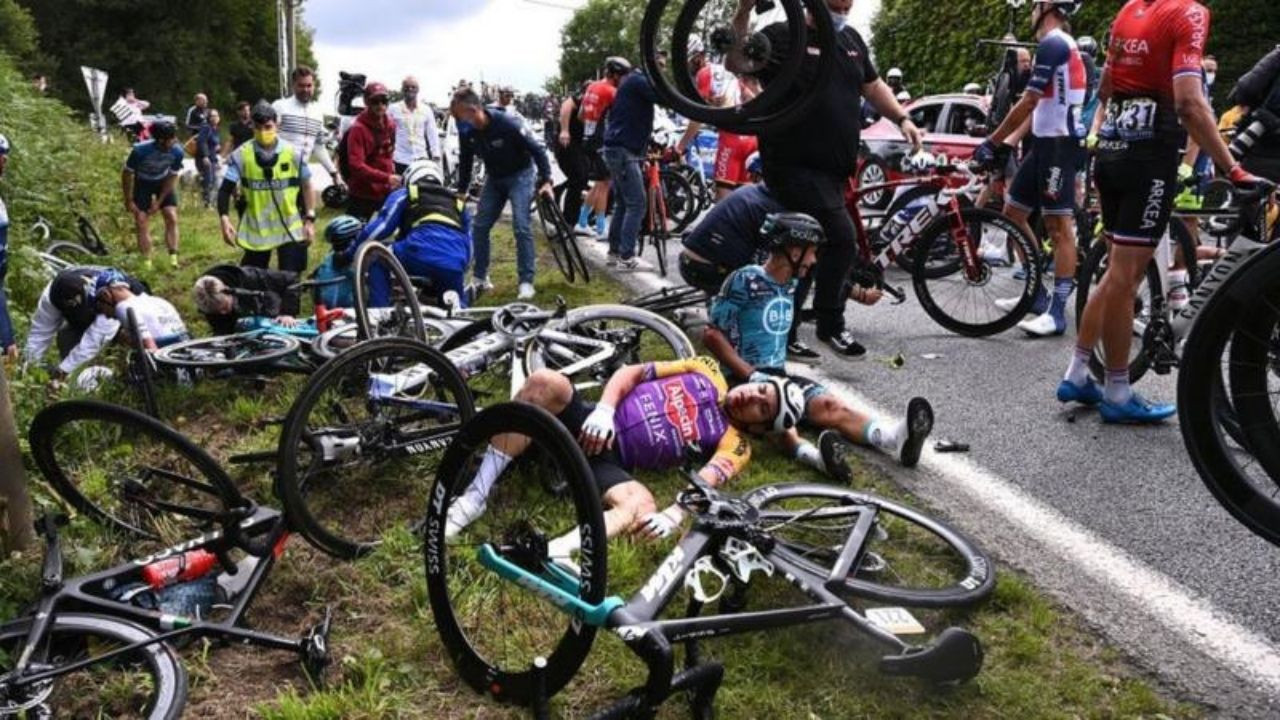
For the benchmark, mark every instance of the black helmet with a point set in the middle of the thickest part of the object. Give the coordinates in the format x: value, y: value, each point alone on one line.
x: 791, y: 229
x: 1067, y: 7
x: 617, y: 66
x: 334, y: 196
x: 1088, y: 46
x: 163, y: 130
x: 264, y: 112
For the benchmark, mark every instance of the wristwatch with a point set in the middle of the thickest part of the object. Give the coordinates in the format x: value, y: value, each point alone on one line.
x: 310, y: 216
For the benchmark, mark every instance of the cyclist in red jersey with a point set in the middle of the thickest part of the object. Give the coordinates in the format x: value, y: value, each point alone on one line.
x: 720, y: 87
x: 595, y: 105
x: 1151, y: 87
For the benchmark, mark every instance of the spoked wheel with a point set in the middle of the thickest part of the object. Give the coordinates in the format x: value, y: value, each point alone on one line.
x: 130, y: 472
x: 385, y: 298
x: 1235, y: 338
x: 148, y: 682
x: 668, y: 25
x: 73, y: 253
x: 907, y: 557
x: 361, y: 442
x: 557, y: 234
x: 335, y: 341
x: 682, y: 201
x: 543, y: 518
x: 636, y: 336
x: 248, y: 349
x: 959, y: 288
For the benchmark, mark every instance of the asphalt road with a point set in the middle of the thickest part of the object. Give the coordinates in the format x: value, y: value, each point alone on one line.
x: 1131, y: 538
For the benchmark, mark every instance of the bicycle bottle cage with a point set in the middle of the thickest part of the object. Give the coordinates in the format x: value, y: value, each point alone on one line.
x: 693, y: 580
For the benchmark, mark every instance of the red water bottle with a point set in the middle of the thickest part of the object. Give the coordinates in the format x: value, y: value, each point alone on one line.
x: 182, y: 568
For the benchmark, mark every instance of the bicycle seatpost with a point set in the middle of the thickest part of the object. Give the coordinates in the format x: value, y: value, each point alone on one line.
x: 51, y: 572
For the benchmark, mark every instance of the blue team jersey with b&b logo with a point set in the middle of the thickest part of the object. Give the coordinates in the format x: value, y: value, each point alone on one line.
x: 755, y: 312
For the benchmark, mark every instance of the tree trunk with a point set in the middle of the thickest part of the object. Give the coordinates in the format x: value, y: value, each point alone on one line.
x: 16, y: 529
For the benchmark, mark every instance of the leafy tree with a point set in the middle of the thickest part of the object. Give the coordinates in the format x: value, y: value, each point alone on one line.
x: 167, y: 51
x: 18, y: 37
x: 599, y: 29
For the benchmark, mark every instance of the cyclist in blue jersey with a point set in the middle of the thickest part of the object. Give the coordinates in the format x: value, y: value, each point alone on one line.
x: 1046, y: 180
x: 8, y: 343
x: 750, y: 319
x: 431, y: 228
x: 149, y: 181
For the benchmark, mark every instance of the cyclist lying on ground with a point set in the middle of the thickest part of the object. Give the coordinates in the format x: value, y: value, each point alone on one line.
x: 431, y: 227
x: 159, y: 323
x: 68, y: 314
x: 750, y: 318
x: 270, y: 294
x: 646, y: 418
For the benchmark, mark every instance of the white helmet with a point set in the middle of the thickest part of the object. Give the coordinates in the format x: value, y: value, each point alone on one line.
x: 4, y: 145
x: 921, y: 162
x: 972, y: 88
x: 903, y: 96
x: 423, y: 170
x: 790, y: 403
x: 894, y: 73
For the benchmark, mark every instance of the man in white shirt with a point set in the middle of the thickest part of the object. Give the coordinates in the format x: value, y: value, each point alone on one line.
x: 159, y: 323
x: 302, y: 123
x: 68, y: 314
x: 417, y: 136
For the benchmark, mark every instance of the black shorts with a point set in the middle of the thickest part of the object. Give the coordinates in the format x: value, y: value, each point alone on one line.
x: 1046, y: 181
x: 606, y: 467
x: 145, y: 192
x: 572, y: 161
x: 705, y: 276
x: 597, y: 170
x: 1136, y: 188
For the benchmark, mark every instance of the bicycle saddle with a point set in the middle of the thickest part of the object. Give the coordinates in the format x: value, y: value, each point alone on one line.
x: 954, y: 657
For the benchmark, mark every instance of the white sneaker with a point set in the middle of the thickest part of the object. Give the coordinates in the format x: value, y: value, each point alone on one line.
x: 1042, y: 326
x: 631, y: 263
x: 584, y: 231
x: 525, y: 292
x: 462, y: 513
x: 1008, y: 304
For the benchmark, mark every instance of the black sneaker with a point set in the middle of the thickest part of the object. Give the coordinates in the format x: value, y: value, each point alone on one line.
x: 844, y: 344
x: 797, y: 350
x: 919, y: 425
x: 835, y: 455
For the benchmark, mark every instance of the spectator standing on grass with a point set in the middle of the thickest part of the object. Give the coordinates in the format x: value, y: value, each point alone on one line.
x: 510, y: 153
x: 302, y: 123
x: 241, y: 129
x: 8, y: 343
x: 370, y: 144
x: 150, y: 181
x: 626, y: 137
x: 208, y: 145
x: 197, y: 114
x: 417, y: 136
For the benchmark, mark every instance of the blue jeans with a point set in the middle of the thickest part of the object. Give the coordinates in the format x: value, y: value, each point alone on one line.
x: 6, y: 323
x: 628, y: 215
x: 518, y: 188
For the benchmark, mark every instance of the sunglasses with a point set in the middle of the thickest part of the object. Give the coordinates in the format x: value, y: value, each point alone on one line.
x: 380, y: 100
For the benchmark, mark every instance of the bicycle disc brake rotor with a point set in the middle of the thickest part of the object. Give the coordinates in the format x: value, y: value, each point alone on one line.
x: 13, y: 701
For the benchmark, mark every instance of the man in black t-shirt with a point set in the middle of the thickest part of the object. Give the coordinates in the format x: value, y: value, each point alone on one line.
x: 808, y: 162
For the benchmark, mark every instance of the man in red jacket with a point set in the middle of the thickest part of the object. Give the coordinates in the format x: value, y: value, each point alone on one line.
x: 371, y: 143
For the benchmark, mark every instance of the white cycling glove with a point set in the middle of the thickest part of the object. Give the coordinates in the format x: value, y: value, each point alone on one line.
x: 660, y: 524
x: 599, y: 424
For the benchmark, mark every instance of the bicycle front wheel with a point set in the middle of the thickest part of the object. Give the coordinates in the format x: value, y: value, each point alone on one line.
x: 361, y: 440
x: 958, y: 284
x: 557, y: 235
x: 907, y: 557
x: 148, y: 682
x: 541, y: 515
x: 129, y: 471
x: 397, y: 313
x: 228, y: 351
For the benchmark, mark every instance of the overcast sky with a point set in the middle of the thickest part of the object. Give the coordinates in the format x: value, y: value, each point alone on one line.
x: 515, y: 42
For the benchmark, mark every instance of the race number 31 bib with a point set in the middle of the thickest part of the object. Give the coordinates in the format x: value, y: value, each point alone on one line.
x: 1131, y: 120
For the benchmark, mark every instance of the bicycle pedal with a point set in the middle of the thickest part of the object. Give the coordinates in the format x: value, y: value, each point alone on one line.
x: 314, y: 647
x: 744, y: 559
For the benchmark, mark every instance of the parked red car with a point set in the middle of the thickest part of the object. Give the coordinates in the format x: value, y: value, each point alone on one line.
x: 949, y: 123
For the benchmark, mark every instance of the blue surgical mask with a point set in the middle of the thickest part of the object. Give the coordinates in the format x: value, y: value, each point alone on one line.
x: 839, y: 20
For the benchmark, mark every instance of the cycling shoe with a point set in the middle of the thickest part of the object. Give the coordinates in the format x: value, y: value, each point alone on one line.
x: 1088, y: 394
x: 1138, y: 411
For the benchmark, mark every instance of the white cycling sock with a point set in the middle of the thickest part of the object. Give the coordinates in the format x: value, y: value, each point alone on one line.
x: 1118, y: 391
x: 1078, y: 371
x: 491, y: 466
x: 810, y: 455
x: 887, y: 437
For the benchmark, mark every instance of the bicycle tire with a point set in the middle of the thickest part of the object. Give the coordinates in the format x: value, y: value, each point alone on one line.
x: 681, y: 201
x: 242, y: 350
x: 89, y: 236
x: 70, y: 632
x: 135, y: 441
x: 1252, y: 375
x: 929, y: 281
x: 973, y: 582
x: 538, y: 355
x: 556, y: 241
x: 461, y: 627
x: 1217, y: 464
x: 141, y: 367
x: 74, y: 253
x: 351, y: 525
x: 374, y: 252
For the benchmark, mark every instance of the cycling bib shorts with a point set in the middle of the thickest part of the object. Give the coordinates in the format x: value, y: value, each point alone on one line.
x: 1046, y: 180
x: 144, y: 193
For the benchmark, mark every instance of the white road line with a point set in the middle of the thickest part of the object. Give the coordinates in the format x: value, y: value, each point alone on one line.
x: 1195, y: 620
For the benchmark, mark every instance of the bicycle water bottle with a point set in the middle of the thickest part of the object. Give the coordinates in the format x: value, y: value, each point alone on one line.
x: 182, y: 568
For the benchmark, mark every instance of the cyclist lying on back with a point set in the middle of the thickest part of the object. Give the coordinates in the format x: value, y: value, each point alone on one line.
x: 159, y: 323
x: 431, y: 228
x: 67, y: 314
x: 646, y: 418
x: 750, y: 318
x: 227, y: 293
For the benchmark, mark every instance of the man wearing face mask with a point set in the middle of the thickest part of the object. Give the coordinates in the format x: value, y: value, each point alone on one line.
x: 417, y: 137
x: 807, y: 163
x: 302, y: 123
x: 276, y: 186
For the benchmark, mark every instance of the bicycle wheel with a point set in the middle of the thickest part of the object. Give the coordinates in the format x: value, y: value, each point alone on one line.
x: 1090, y: 274
x: 1254, y: 381
x: 965, y: 304
x: 681, y: 200
x: 636, y: 336
x: 148, y: 682
x: 398, y: 314
x: 140, y: 367
x: 907, y: 558
x: 130, y: 472
x: 494, y: 628
x: 555, y: 236
x: 89, y: 236
x: 228, y: 351
x: 70, y: 252
x: 361, y: 440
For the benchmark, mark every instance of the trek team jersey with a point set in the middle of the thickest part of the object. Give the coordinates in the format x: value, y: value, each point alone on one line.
x: 755, y: 311
x: 1152, y: 43
x: 595, y: 105
x: 158, y: 319
x: 150, y: 163
x: 1060, y: 80
x: 677, y: 403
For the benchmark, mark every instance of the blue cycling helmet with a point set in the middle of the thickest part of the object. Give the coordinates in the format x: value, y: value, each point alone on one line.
x: 342, y: 230
x: 108, y: 278
x: 755, y: 165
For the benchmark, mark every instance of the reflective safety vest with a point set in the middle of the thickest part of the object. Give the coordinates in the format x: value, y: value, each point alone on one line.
x: 429, y: 202
x: 271, y: 217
